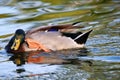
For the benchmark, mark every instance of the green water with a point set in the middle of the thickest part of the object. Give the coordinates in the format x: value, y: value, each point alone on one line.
x: 103, y: 45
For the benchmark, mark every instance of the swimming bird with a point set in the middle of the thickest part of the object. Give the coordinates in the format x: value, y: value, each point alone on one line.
x: 47, y: 39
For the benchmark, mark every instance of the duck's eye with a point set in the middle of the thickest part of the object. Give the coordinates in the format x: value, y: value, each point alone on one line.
x: 19, y: 36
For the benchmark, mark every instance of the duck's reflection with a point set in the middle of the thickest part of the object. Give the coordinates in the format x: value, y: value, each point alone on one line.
x: 18, y: 59
x: 44, y: 58
x: 37, y: 58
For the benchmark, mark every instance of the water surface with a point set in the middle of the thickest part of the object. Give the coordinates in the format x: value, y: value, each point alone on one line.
x: 103, y: 45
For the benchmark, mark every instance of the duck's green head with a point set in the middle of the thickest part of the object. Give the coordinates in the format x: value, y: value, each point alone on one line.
x: 18, y: 39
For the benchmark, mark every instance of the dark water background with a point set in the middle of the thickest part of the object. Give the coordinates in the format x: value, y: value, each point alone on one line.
x: 103, y: 45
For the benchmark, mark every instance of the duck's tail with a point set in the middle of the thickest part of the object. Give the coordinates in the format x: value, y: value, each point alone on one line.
x: 82, y: 38
x: 78, y: 37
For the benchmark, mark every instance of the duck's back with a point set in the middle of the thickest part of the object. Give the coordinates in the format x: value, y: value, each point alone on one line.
x: 54, y: 40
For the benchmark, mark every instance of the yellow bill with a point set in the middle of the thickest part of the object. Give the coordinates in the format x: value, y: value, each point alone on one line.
x: 16, y: 44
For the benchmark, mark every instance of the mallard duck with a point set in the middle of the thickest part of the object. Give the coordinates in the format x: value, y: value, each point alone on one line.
x: 47, y: 38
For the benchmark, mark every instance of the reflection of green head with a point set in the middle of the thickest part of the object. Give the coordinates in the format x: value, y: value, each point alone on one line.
x: 19, y: 38
x: 18, y: 59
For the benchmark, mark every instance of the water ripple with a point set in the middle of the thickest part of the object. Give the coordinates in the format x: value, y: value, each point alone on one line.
x: 103, y: 45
